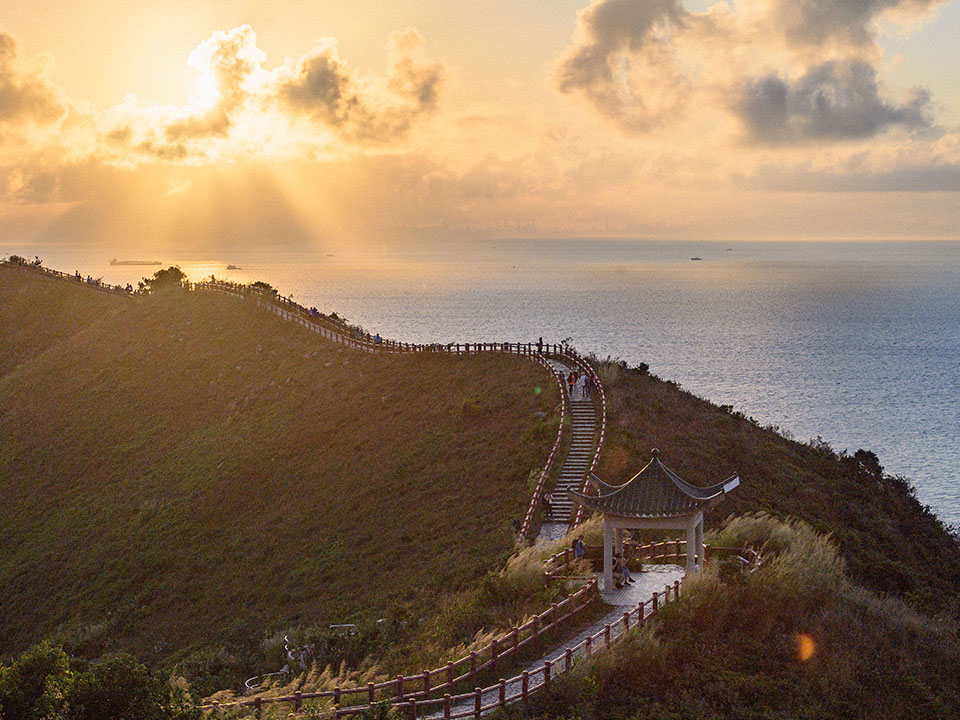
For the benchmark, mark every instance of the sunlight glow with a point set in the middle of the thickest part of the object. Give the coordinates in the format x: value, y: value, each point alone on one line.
x: 205, y: 93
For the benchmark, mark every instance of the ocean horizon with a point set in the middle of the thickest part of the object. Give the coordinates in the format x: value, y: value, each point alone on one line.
x: 856, y: 343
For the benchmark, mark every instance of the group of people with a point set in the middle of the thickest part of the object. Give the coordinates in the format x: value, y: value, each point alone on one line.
x: 579, y: 385
x: 621, y: 573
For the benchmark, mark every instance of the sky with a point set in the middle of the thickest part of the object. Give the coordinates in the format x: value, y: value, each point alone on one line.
x: 312, y: 126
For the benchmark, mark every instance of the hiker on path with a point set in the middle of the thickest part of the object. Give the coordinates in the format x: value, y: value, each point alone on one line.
x: 571, y: 381
x: 540, y: 346
x: 548, y: 504
x: 578, y: 548
x: 582, y: 387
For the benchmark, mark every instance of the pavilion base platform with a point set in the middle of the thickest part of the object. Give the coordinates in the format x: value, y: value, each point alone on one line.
x: 646, y: 583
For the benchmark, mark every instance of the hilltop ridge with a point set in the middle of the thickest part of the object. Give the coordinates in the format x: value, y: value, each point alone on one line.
x: 182, y: 463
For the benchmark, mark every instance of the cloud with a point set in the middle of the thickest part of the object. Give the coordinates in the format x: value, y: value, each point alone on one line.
x: 797, y: 70
x: 813, y: 22
x: 831, y: 101
x: 622, y: 61
x: 242, y: 109
x: 229, y: 63
x: 24, y: 96
x: 321, y: 86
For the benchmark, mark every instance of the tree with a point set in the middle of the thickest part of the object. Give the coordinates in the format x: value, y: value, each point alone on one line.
x: 31, y: 686
x: 45, y: 683
x: 170, y: 278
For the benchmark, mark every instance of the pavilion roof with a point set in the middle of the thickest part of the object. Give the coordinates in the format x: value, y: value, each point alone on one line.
x: 655, y: 491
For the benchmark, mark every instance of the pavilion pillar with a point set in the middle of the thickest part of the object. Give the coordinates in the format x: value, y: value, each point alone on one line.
x: 699, y: 535
x: 692, y: 544
x: 607, y: 553
x: 619, y: 540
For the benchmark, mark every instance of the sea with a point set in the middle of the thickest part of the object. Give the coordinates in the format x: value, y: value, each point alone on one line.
x: 856, y: 343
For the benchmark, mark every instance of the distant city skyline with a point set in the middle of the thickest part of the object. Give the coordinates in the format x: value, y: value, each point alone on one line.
x: 223, y: 125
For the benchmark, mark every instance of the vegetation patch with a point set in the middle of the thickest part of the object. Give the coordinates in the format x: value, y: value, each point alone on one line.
x: 185, y: 474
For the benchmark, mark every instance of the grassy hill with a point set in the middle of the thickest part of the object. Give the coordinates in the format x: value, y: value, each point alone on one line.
x: 181, y: 466
x: 795, y: 640
x: 889, y: 541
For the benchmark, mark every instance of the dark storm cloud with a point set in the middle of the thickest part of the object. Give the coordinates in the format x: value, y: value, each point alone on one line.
x: 24, y: 97
x: 832, y: 101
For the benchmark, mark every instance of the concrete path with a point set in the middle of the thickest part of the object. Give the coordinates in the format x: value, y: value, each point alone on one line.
x: 575, y: 464
x: 653, y: 579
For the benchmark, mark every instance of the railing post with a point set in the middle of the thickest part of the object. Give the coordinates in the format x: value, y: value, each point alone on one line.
x: 653, y: 605
x: 371, y: 693
x: 546, y: 675
x: 477, y: 701
x: 524, y: 685
x: 606, y: 635
x: 626, y: 621
x: 258, y: 708
x: 399, y: 687
x: 666, y: 595
x: 413, y: 708
x: 336, y: 697
x: 446, y: 706
x: 426, y: 683
x: 503, y: 693
x: 676, y: 589
x: 297, y: 702
x: 567, y: 659
x: 588, y: 646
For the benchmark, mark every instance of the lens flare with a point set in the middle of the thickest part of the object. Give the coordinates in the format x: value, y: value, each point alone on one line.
x: 806, y: 647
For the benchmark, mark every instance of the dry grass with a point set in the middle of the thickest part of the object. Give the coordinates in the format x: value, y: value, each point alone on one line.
x: 733, y: 649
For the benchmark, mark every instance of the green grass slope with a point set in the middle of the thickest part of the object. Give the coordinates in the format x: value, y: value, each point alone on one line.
x: 176, y: 466
x: 890, y: 542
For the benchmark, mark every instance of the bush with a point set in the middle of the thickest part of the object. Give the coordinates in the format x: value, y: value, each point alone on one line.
x: 46, y: 684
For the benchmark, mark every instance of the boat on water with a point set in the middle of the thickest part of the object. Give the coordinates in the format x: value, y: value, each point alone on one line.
x: 135, y: 262
x: 696, y: 258
x: 234, y: 267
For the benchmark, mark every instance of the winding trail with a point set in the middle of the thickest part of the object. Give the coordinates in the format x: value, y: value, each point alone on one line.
x: 653, y: 579
x: 625, y: 607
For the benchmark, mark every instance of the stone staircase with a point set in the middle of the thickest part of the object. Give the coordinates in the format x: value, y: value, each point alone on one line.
x: 579, y: 456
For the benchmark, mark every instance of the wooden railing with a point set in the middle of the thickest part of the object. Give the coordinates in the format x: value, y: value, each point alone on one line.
x: 464, y: 670
x: 480, y: 700
x: 96, y: 284
x: 520, y: 687
x: 584, y: 366
x: 331, y: 329
x: 560, y: 564
x: 551, y: 460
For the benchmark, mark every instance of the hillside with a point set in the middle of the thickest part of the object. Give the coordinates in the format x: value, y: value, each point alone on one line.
x: 181, y: 467
x: 795, y: 640
x: 889, y: 541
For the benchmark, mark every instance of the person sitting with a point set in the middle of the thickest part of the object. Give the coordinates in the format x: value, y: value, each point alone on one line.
x: 618, y: 560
